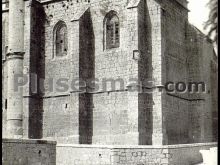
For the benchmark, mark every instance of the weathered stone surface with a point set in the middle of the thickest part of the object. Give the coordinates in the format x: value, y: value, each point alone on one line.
x: 130, y: 155
x: 23, y: 151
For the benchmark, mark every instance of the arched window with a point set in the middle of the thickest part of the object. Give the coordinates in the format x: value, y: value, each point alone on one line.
x: 112, y: 30
x: 60, y: 39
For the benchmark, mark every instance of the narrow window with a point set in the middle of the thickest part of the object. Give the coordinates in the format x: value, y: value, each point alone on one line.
x: 6, y: 50
x: 6, y: 103
x: 112, y: 31
x: 61, y: 41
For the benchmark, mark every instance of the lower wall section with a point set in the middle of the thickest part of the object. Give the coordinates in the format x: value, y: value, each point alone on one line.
x: 27, y: 152
x: 185, y: 154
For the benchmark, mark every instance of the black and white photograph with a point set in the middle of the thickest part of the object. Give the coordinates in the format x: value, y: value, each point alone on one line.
x: 109, y: 82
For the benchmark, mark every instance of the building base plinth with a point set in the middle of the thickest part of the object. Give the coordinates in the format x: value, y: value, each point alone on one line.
x: 129, y: 155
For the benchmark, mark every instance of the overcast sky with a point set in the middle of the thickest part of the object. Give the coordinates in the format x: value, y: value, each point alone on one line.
x: 199, y: 13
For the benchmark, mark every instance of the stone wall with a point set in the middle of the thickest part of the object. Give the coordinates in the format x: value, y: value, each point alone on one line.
x: 113, y: 64
x: 157, y: 31
x: 23, y: 151
x: 33, y: 69
x: 186, y: 53
x: 145, y: 100
x: 200, y: 54
x: 175, y: 108
x: 210, y: 107
x: 130, y: 155
x: 4, y: 69
x: 187, y: 154
x: 110, y: 119
x: 214, y: 96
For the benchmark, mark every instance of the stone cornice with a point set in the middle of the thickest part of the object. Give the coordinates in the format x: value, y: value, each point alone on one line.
x: 5, y: 10
x: 29, y: 141
x: 15, y: 55
x: 139, y: 146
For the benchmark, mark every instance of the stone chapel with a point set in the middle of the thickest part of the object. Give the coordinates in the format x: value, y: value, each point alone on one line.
x: 45, y: 40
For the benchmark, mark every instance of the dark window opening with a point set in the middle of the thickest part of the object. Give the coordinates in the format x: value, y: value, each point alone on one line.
x: 6, y: 103
x: 6, y: 50
x: 61, y: 40
x: 112, y: 35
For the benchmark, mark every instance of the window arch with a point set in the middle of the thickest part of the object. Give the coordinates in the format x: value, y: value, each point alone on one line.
x: 112, y: 30
x: 60, y: 39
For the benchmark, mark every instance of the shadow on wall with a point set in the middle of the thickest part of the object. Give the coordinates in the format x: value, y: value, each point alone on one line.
x: 145, y: 106
x: 37, y: 66
x: 86, y: 72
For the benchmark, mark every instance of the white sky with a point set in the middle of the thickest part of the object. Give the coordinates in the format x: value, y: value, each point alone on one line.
x: 199, y: 13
